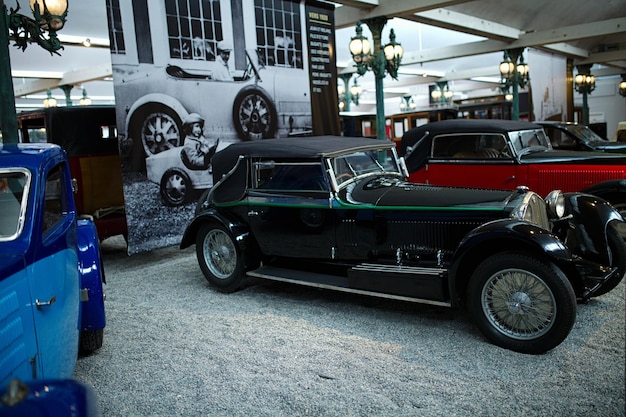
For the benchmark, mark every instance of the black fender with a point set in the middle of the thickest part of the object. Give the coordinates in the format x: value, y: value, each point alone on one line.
x: 241, y: 232
x: 589, y: 218
x: 505, y: 235
x: 613, y: 191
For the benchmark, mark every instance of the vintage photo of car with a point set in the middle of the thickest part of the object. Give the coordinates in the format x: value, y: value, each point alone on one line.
x: 505, y: 154
x: 51, y: 273
x: 245, y: 75
x: 337, y: 213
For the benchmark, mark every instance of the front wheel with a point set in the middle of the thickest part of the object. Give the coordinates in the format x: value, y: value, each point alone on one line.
x: 219, y: 257
x: 521, y: 303
x: 175, y: 187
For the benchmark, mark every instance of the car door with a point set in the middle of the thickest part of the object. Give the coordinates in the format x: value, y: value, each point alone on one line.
x: 18, y: 345
x: 470, y: 160
x: 53, y: 275
x: 289, y: 209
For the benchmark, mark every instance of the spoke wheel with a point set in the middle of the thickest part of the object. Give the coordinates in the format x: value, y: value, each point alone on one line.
x: 159, y: 131
x: 254, y: 115
x: 219, y: 257
x: 617, y: 250
x: 521, y: 303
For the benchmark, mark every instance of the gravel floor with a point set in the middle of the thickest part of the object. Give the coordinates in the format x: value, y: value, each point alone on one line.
x: 175, y: 347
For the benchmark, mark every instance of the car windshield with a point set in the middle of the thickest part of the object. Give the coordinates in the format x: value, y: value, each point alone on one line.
x: 526, y: 141
x: 585, y: 134
x: 364, y: 163
x: 14, y: 185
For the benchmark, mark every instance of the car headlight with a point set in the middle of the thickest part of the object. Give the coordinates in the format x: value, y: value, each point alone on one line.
x: 555, y: 203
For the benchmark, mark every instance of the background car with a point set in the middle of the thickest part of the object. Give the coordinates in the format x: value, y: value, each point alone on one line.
x: 51, y: 273
x: 505, y: 154
x: 577, y: 137
x: 337, y: 213
x: 89, y: 136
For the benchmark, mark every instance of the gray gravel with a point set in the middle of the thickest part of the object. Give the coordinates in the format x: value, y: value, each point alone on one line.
x: 175, y: 347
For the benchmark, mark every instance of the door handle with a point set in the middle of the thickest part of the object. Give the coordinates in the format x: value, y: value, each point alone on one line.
x: 41, y: 304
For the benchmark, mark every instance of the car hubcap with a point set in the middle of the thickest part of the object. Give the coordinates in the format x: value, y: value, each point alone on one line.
x: 159, y: 133
x: 220, y: 254
x: 176, y: 188
x: 254, y: 116
x: 518, y: 304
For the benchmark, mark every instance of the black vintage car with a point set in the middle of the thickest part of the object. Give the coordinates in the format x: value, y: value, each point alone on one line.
x: 338, y: 213
x: 577, y: 137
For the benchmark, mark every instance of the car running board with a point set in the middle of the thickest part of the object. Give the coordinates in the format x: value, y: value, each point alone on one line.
x: 363, y: 279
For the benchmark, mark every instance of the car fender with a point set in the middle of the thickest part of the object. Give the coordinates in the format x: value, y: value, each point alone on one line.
x: 613, y: 191
x: 155, y: 98
x: 91, y: 276
x: 498, y: 236
x: 241, y: 232
x: 590, y: 218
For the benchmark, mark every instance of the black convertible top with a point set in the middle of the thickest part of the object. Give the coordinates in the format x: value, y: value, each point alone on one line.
x: 307, y: 147
x: 420, y: 153
x: 298, y: 147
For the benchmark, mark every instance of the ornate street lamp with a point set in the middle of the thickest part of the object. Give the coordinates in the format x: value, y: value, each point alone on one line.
x: 442, y: 93
x: 514, y: 72
x: 49, y: 101
x: 380, y: 59
x: 348, y: 93
x: 85, y: 100
x: 407, y: 103
x: 622, y: 86
x: 48, y: 17
x: 585, y: 83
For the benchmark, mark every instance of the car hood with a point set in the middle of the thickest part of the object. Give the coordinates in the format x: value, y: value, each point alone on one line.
x: 573, y: 157
x: 392, y: 192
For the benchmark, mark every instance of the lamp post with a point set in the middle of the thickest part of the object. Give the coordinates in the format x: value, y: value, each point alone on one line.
x: 348, y: 93
x: 380, y: 60
x: 515, y: 74
x: 49, y: 17
x: 585, y: 83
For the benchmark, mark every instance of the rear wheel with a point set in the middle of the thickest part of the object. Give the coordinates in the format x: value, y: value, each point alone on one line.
x: 521, y: 303
x: 219, y: 257
x: 91, y: 340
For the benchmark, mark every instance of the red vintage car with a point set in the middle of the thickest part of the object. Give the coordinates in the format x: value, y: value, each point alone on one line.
x: 506, y: 154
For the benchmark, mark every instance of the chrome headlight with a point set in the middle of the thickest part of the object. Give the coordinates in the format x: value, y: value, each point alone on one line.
x: 533, y: 210
x: 555, y: 203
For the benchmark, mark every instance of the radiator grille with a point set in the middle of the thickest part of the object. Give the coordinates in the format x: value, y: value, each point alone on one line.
x: 568, y: 180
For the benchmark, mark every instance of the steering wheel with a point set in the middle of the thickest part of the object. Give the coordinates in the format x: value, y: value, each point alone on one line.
x: 343, y: 177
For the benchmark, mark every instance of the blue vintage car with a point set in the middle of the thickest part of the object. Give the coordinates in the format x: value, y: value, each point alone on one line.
x: 51, y: 275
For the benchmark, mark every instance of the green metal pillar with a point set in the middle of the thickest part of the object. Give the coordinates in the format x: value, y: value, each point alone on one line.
x: 8, y: 115
x: 376, y: 26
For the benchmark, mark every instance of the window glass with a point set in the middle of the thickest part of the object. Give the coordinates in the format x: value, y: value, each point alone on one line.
x: 279, y: 35
x: 55, y: 199
x: 193, y: 27
x: 14, y: 186
x: 304, y: 177
x: 470, y: 146
x: 116, y: 35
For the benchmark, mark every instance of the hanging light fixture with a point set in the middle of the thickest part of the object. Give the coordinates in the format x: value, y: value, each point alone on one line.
x: 49, y: 101
x: 442, y: 93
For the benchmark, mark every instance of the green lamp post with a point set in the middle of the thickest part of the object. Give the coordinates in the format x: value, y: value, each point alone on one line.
x: 48, y: 18
x: 514, y: 73
x: 585, y: 83
x: 380, y: 59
